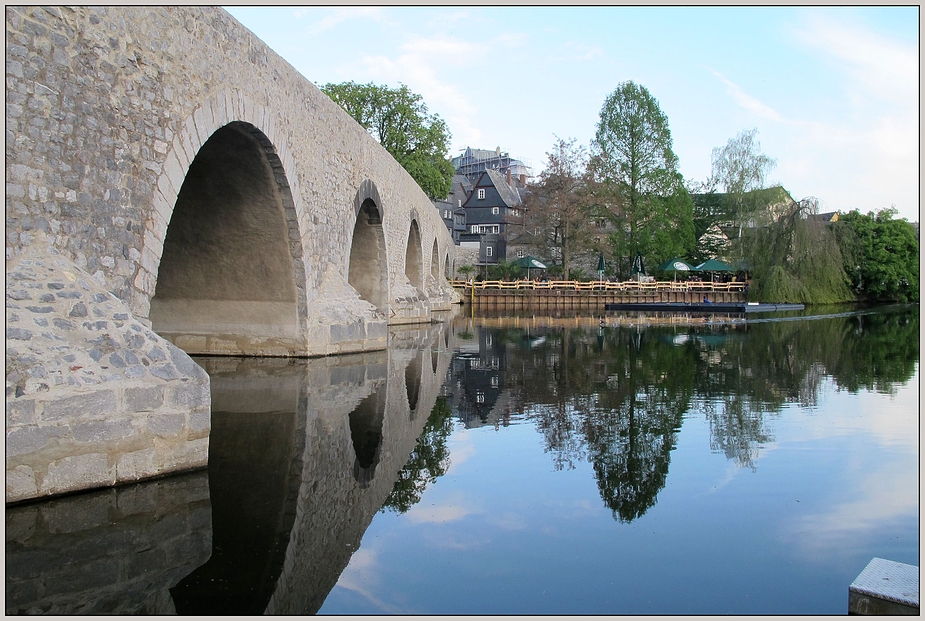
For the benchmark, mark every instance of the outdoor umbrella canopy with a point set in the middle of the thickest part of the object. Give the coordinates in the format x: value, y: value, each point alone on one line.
x: 530, y: 262
x: 714, y: 266
x: 638, y: 266
x: 675, y: 265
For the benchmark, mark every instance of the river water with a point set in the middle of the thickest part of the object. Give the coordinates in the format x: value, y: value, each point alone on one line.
x: 519, y: 465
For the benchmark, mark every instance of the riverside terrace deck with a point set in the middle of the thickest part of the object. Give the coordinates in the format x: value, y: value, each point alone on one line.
x: 572, y: 294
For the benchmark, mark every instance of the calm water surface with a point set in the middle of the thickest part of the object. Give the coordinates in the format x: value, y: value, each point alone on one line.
x: 518, y: 465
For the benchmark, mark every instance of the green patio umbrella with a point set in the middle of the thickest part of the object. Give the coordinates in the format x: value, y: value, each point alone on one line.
x: 638, y: 266
x: 529, y: 262
x: 600, y: 267
x: 675, y: 265
x: 714, y: 266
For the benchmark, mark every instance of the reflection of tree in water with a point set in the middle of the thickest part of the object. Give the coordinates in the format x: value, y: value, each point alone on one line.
x: 429, y: 459
x: 736, y: 431
x: 630, y: 453
x: 618, y: 396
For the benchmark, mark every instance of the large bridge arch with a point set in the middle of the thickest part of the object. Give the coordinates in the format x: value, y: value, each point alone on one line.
x: 367, y: 262
x: 227, y: 279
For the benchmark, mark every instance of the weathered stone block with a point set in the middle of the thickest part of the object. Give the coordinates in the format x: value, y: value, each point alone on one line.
x: 20, y: 412
x: 166, y: 424
x: 20, y: 483
x: 28, y: 439
x: 98, y: 403
x: 143, y: 398
x: 77, y: 472
x: 99, y: 431
x: 188, y: 395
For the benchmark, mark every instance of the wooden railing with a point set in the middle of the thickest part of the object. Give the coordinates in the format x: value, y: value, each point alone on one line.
x: 600, y: 285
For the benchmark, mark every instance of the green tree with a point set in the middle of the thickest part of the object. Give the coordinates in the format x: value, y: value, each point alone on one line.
x: 796, y: 258
x: 557, y: 204
x: 881, y: 255
x: 400, y: 121
x: 740, y: 167
x: 636, y: 177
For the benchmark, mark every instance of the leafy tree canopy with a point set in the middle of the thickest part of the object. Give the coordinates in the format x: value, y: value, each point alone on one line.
x: 558, y: 206
x: 881, y: 254
x: 634, y: 167
x: 400, y: 121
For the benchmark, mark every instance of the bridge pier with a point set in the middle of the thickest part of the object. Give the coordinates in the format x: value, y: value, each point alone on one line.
x: 94, y: 396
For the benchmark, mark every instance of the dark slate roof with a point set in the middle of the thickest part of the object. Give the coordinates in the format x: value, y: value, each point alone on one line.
x: 506, y: 191
x: 463, y: 181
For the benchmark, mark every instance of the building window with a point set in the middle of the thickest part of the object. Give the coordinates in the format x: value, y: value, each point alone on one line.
x: 520, y: 253
x: 481, y: 194
x: 488, y: 250
x: 458, y: 203
x: 495, y: 210
x: 474, y: 228
x: 515, y: 213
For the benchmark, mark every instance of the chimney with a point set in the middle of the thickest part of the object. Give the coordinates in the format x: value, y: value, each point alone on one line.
x: 523, y: 180
x: 509, y: 176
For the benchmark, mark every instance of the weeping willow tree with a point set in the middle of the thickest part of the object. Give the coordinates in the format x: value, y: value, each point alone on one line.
x: 797, y: 258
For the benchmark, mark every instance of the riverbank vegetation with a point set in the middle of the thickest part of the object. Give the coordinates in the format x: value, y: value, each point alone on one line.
x: 624, y: 202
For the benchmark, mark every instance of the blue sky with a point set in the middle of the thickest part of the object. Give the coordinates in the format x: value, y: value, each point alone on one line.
x: 832, y: 91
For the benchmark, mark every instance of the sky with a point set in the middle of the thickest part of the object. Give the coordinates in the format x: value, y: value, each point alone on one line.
x: 832, y: 91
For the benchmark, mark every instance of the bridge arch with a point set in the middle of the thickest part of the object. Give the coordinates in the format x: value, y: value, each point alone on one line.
x: 435, y: 262
x: 367, y: 270
x: 228, y: 280
x: 414, y: 260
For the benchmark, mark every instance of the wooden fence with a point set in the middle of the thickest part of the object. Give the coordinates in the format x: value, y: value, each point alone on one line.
x: 573, y: 294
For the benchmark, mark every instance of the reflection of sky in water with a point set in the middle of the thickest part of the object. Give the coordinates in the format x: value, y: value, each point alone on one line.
x: 504, y: 532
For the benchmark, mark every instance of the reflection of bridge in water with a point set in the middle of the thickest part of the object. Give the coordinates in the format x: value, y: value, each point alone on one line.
x: 303, y: 454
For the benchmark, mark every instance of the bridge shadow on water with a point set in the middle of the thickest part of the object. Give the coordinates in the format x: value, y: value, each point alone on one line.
x: 303, y: 453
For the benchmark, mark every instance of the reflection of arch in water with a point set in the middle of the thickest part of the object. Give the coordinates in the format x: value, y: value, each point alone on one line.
x: 255, y: 464
x: 413, y: 382
x: 366, y: 435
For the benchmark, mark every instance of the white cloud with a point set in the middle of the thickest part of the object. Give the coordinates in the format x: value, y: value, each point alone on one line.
x: 746, y: 101
x: 884, y: 68
x: 438, y: 514
x: 339, y: 16
x: 579, y: 52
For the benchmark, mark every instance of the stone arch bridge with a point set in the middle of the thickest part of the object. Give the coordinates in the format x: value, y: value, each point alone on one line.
x: 174, y: 187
